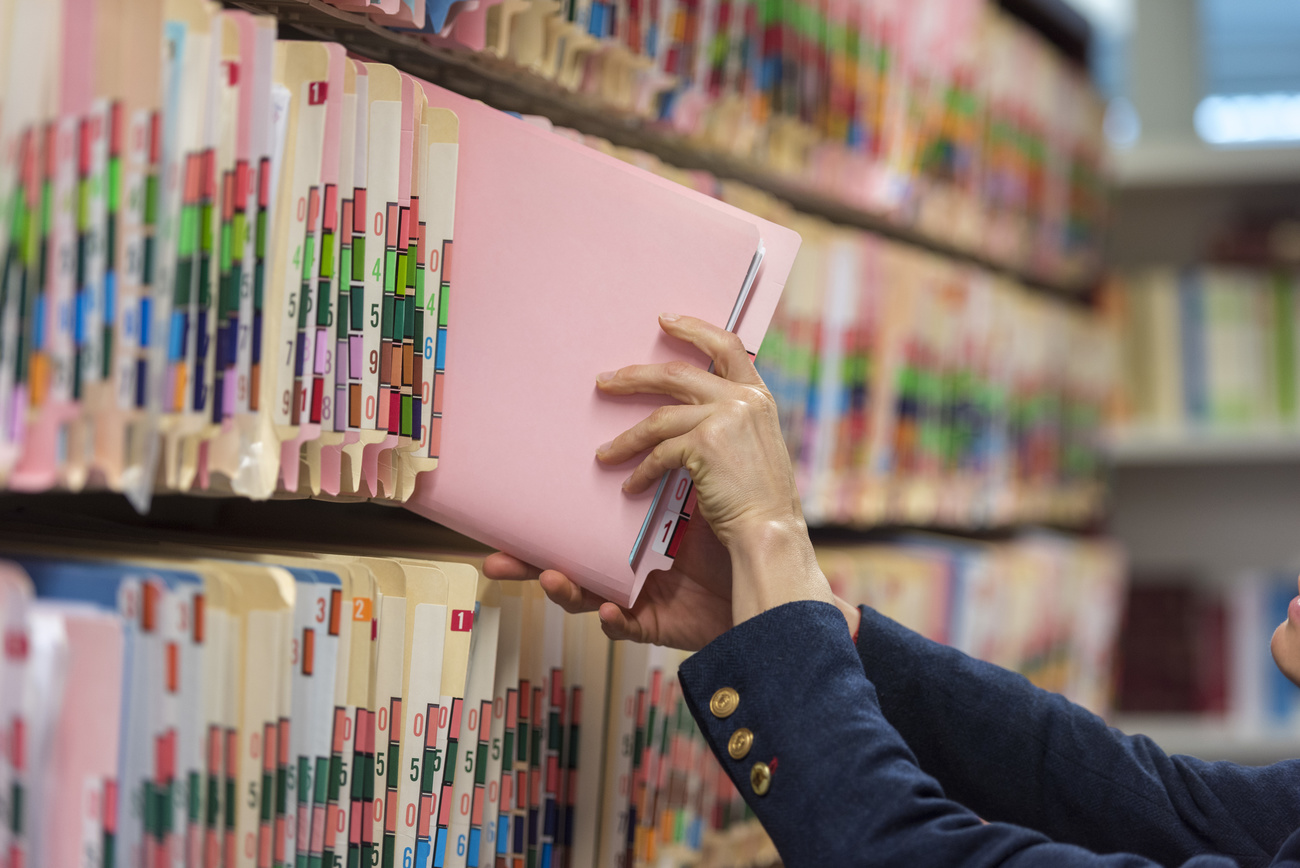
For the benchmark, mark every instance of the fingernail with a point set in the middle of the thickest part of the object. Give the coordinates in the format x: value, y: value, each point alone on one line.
x: 604, y: 447
x: 627, y: 482
x: 605, y: 376
x: 669, y: 317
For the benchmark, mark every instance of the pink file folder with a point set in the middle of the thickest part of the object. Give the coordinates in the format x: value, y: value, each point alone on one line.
x: 564, y: 258
x: 84, y: 765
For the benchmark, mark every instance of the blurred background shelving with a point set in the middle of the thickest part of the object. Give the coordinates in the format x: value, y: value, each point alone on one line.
x: 1204, y: 451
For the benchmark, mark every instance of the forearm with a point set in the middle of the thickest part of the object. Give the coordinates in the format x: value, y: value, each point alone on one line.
x: 1014, y: 753
x: 774, y: 563
x: 844, y: 789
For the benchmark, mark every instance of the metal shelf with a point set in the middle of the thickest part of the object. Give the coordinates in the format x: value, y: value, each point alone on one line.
x: 1211, y: 738
x: 509, y: 87
x: 1191, y: 163
x: 197, y: 518
x: 1154, y: 449
x: 342, y: 526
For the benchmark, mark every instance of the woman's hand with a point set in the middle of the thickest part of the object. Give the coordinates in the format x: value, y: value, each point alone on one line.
x: 683, y: 607
x: 725, y: 431
x: 755, y: 554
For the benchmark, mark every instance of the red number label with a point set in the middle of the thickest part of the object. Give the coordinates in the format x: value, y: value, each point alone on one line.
x: 379, y: 222
x: 320, y: 610
x: 667, y: 527
x: 370, y: 407
x: 472, y: 723
x: 302, y: 208
x: 410, y: 814
x: 382, y: 723
x: 462, y: 620
x: 417, y: 725
x: 317, y: 92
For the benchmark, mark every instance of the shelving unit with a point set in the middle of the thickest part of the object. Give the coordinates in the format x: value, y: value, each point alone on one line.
x: 509, y: 87
x: 344, y: 527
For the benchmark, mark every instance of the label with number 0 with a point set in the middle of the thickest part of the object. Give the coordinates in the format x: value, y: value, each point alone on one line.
x: 671, y: 514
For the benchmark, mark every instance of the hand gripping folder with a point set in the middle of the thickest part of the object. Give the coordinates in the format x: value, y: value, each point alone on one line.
x: 564, y: 259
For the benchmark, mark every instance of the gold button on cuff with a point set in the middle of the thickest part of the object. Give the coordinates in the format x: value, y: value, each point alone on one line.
x: 760, y: 778
x: 739, y: 744
x: 724, y: 702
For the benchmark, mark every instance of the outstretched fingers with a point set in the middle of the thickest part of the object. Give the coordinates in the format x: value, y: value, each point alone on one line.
x: 679, y: 380
x: 668, y: 455
x: 563, y: 591
x: 566, y: 594
x: 508, y: 568
x: 620, y: 625
x: 731, y: 360
x: 669, y: 421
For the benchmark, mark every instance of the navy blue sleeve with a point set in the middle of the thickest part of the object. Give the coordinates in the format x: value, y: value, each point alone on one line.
x: 845, y: 789
x: 1012, y: 752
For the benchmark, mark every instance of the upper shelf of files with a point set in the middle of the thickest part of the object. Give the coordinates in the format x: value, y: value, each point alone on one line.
x: 983, y: 169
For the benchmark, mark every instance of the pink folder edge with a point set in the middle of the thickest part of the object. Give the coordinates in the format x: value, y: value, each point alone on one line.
x: 613, y: 578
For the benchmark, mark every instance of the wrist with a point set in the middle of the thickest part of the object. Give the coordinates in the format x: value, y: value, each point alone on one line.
x: 852, y: 615
x: 773, y: 563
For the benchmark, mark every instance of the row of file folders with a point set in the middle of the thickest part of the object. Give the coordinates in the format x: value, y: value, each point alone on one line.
x: 237, y: 708
x: 945, y: 114
x: 227, y: 257
x: 184, y: 704
x: 916, y: 390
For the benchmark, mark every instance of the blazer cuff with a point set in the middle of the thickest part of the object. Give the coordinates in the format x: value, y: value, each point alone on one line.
x: 761, y: 692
